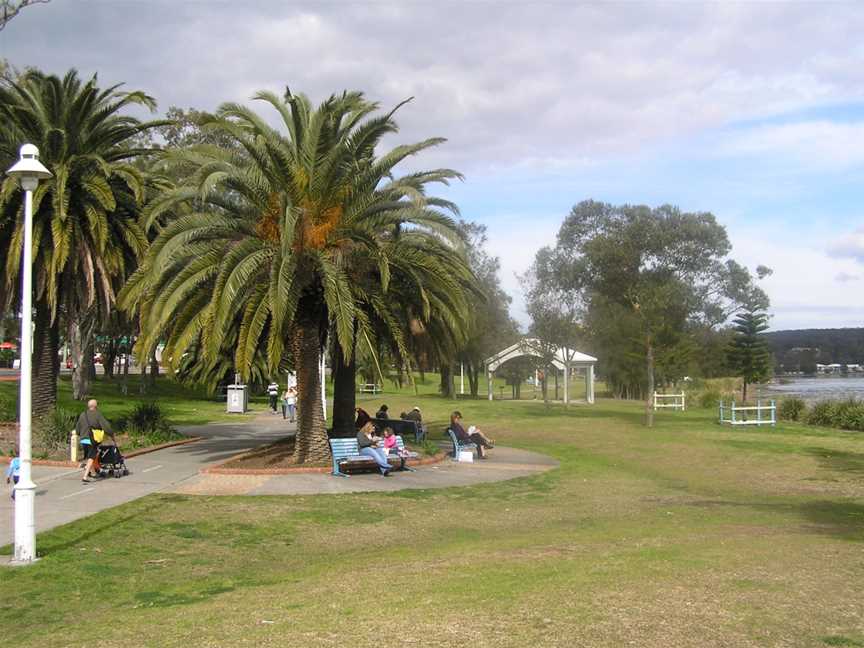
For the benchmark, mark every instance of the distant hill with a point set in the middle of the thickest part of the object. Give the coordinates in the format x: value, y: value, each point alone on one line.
x: 823, y: 346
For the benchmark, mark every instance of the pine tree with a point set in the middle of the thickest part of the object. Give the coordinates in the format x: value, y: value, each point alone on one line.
x: 748, y: 353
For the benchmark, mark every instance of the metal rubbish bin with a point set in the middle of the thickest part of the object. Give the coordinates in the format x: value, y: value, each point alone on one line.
x: 238, y: 399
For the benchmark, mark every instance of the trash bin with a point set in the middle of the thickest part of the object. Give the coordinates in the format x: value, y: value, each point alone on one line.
x: 238, y: 399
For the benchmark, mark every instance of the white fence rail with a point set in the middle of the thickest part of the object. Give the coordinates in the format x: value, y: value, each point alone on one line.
x: 758, y: 414
x: 669, y: 401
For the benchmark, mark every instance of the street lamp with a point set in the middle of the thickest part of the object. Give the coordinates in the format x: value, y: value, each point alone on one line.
x: 28, y: 171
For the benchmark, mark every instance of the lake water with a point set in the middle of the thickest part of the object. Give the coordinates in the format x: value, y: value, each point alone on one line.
x: 816, y: 389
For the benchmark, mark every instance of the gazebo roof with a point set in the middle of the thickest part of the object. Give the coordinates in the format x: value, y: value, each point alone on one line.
x: 529, y: 347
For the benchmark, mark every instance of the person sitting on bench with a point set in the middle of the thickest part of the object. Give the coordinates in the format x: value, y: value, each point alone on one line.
x: 472, y: 435
x: 367, y: 443
x: 391, y: 448
x: 382, y: 413
x: 362, y: 417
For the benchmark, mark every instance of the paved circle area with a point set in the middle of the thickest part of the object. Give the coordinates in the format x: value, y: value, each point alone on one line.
x: 503, y: 463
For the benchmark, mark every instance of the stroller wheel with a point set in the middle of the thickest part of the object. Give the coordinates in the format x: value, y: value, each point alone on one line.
x: 125, y: 470
x: 118, y: 474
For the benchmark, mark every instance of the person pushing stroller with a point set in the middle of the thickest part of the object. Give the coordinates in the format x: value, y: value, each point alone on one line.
x: 92, y: 427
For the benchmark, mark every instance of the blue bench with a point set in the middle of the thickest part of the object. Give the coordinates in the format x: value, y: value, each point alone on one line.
x: 458, y: 445
x: 346, y: 453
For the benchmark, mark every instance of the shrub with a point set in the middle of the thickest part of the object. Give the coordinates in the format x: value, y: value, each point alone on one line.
x: 710, y: 398
x: 822, y: 414
x: 8, y: 409
x: 792, y: 409
x: 852, y: 417
x: 147, y: 426
x: 53, y: 430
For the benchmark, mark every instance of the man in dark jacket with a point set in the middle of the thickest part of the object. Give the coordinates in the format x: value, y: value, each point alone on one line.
x: 92, y: 428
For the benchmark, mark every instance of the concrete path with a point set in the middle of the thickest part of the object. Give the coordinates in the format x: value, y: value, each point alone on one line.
x: 62, y: 498
x: 503, y: 463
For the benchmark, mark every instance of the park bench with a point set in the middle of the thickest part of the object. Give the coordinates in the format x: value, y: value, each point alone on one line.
x: 346, y: 454
x: 458, y: 445
x: 370, y: 388
x: 401, y: 427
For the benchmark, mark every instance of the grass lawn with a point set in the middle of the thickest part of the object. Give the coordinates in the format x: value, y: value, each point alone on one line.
x: 688, y: 534
x: 183, y: 405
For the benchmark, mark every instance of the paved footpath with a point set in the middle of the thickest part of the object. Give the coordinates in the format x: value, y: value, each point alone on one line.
x: 503, y: 463
x: 62, y: 498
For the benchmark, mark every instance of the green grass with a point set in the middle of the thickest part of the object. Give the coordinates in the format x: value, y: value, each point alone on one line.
x: 183, y: 405
x: 688, y: 534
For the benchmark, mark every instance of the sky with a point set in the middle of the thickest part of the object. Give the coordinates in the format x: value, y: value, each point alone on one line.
x: 751, y: 111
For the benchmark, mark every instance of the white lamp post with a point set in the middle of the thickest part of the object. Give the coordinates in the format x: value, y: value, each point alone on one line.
x: 28, y: 171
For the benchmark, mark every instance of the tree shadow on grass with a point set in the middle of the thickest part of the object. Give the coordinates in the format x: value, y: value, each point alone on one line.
x: 838, y: 460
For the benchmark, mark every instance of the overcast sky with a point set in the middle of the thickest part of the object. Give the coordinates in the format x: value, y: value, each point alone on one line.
x: 754, y: 112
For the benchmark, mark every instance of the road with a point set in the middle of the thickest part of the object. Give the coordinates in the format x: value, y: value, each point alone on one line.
x: 62, y: 498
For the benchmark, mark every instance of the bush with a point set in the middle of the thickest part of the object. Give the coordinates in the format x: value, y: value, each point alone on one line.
x: 792, y: 409
x: 147, y: 426
x: 852, y: 417
x: 710, y: 398
x: 53, y: 430
x: 822, y: 414
x: 8, y: 409
x: 145, y: 418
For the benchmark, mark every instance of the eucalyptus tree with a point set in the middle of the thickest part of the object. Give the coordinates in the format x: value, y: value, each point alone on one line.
x: 86, y: 234
x: 266, y: 236
x: 650, y: 275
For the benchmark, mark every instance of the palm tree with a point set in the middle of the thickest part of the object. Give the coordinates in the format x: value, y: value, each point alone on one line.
x: 85, y: 231
x: 266, y: 236
x: 430, y: 290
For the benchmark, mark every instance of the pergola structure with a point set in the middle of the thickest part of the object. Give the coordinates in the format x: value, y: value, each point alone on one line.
x: 565, y: 359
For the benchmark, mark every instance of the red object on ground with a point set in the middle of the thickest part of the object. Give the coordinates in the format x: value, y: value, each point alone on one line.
x: 7, y: 345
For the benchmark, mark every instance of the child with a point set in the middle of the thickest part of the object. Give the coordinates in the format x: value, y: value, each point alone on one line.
x: 14, y: 472
x: 391, y: 447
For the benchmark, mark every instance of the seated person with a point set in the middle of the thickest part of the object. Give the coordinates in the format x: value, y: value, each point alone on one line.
x: 472, y: 435
x: 414, y: 415
x: 391, y: 448
x: 382, y: 413
x: 367, y: 442
x: 362, y: 417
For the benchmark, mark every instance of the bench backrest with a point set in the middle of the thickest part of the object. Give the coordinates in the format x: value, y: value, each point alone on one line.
x: 342, y: 448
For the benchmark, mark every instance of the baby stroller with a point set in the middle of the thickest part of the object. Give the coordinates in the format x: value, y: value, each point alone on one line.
x: 111, y: 462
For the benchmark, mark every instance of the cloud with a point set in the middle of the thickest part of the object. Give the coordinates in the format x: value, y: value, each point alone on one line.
x: 845, y: 277
x: 818, y: 144
x: 850, y: 246
x: 506, y: 85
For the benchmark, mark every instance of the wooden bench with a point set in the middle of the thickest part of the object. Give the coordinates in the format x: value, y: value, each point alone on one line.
x: 370, y: 388
x: 401, y: 427
x: 458, y: 445
x: 346, y: 453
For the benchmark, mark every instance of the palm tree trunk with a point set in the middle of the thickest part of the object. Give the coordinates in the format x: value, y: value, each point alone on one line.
x: 344, y: 394
x: 46, y: 367
x: 310, y: 444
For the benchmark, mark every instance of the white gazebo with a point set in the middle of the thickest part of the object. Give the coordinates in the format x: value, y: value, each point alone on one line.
x: 565, y: 359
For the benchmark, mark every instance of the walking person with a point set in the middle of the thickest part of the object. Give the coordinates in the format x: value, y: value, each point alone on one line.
x: 273, y: 393
x: 13, y: 471
x: 92, y: 428
x: 289, y: 403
